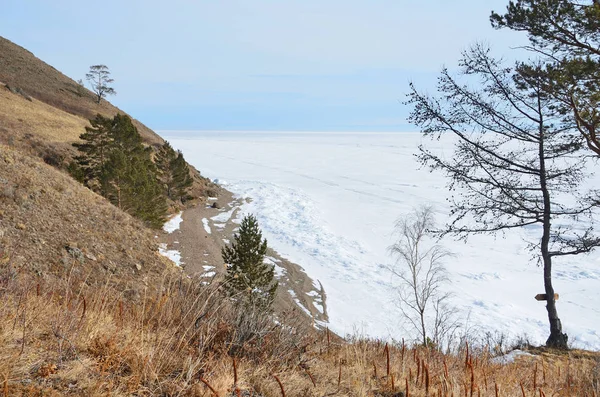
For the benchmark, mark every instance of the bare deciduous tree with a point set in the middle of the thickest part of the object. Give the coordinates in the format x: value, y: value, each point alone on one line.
x: 517, y: 162
x: 421, y: 274
x: 99, y: 78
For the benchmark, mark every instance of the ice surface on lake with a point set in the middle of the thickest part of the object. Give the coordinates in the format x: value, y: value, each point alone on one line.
x: 328, y: 201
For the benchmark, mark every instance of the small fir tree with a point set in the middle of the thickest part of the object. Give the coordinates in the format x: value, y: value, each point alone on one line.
x: 248, y: 276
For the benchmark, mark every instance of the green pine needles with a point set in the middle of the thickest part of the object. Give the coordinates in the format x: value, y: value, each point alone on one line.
x: 114, y: 163
x: 174, y: 173
x: 248, y: 278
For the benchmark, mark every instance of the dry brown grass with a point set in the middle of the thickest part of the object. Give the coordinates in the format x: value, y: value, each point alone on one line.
x: 49, y: 123
x: 45, y: 214
x: 21, y: 69
x: 68, y: 338
x: 102, y: 326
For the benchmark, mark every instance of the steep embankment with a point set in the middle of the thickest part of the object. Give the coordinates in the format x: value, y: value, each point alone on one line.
x: 50, y: 223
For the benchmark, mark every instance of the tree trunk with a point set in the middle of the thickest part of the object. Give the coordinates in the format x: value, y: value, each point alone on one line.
x: 423, y: 328
x: 556, y: 339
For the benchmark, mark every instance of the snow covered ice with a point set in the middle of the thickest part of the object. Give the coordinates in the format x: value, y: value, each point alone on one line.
x: 328, y: 201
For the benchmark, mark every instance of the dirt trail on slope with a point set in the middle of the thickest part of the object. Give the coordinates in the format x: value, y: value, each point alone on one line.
x: 201, y: 255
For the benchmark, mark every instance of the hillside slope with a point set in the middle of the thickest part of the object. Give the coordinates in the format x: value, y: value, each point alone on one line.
x: 21, y: 69
x: 42, y: 111
x: 50, y: 223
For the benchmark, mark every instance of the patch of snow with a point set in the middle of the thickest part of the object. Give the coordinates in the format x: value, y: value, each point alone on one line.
x: 317, y: 301
x: 173, y: 224
x: 279, y: 271
x: 219, y: 225
x: 209, y: 274
x: 319, y: 307
x: 208, y: 268
x: 226, y: 241
x: 300, y: 305
x: 206, y: 226
x: 510, y: 357
x: 212, y: 198
x: 173, y: 255
x: 223, y: 217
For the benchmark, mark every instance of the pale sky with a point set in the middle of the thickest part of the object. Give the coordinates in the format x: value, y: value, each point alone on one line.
x: 317, y: 65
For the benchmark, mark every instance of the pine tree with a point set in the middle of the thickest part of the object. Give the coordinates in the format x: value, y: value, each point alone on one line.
x: 164, y: 157
x: 182, y: 180
x: 129, y: 178
x: 566, y: 35
x: 115, y: 163
x: 99, y: 78
x: 95, y: 150
x: 174, y: 172
x: 249, y: 278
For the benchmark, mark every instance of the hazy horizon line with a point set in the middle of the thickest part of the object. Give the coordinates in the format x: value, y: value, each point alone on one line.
x: 285, y: 131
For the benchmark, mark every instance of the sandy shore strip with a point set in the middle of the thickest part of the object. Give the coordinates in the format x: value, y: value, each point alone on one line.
x: 194, y: 237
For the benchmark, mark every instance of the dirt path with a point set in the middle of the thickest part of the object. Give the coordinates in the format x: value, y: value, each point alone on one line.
x: 210, y: 225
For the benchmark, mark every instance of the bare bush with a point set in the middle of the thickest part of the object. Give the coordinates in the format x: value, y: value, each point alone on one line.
x: 421, y: 274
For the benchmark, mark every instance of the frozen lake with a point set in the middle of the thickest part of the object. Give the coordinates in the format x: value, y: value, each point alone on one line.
x: 328, y: 201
